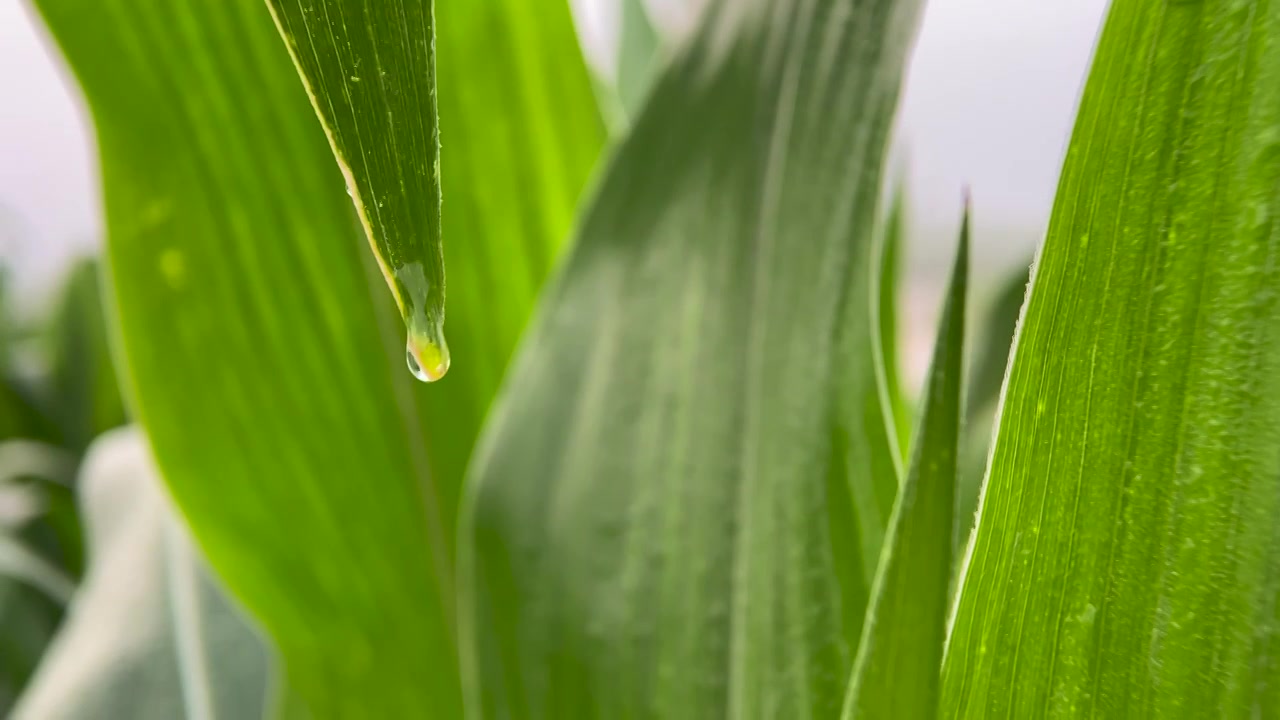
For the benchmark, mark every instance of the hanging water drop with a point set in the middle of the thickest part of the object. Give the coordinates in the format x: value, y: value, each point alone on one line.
x: 427, y: 360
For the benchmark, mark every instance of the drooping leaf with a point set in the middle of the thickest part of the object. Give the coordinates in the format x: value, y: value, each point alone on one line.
x: 28, y: 621
x: 370, y: 69
x: 149, y: 635
x: 665, y: 518
x: 260, y: 348
x: 84, y: 396
x: 1126, y: 561
x: 899, y: 665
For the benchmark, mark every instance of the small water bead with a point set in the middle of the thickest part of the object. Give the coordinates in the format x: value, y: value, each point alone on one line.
x: 426, y: 360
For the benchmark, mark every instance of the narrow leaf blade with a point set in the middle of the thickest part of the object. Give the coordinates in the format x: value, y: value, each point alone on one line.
x: 370, y: 69
x: 898, y: 670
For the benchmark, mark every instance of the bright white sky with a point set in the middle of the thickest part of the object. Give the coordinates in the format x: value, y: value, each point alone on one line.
x: 989, y: 103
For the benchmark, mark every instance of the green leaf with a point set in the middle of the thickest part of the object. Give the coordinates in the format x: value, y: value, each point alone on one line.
x: 637, y: 55
x: 991, y: 359
x: 1126, y: 561
x: 370, y: 69
x: 522, y: 134
x: 661, y: 522
x: 898, y: 669
x: 888, y: 281
x: 28, y: 621
x: 84, y: 396
x: 260, y: 350
x: 998, y: 328
x: 149, y: 634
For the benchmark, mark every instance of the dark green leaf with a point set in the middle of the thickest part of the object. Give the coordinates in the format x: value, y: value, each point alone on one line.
x: 667, y: 518
x: 1126, y: 561
x: 899, y: 664
x: 637, y: 56
x: 370, y: 69
x: 992, y: 356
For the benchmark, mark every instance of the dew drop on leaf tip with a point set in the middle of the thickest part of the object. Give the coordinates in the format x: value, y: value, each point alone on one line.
x: 427, y: 360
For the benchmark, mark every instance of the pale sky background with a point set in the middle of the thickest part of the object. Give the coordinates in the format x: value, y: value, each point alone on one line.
x: 989, y: 103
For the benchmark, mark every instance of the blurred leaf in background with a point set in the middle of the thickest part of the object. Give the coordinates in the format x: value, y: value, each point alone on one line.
x: 263, y: 356
x: 58, y: 390
x: 678, y: 505
x: 83, y: 395
x: 149, y: 635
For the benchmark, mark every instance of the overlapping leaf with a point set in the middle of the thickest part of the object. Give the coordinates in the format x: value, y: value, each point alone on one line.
x: 1126, y: 561
x: 676, y: 511
x: 264, y: 361
x: 899, y: 666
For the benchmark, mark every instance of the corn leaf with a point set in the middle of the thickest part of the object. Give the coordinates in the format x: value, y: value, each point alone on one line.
x: 370, y: 69
x: 892, y: 240
x: 149, y: 635
x: 673, y: 512
x: 899, y: 666
x: 1126, y: 561
x: 319, y: 479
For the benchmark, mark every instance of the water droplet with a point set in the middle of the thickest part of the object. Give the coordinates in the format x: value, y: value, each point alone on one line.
x: 427, y: 360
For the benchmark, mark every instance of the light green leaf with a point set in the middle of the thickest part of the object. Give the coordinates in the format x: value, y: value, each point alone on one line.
x: 149, y: 635
x: 370, y: 69
x: 1126, y: 561
x: 28, y: 621
x: 898, y: 670
x: 662, y: 523
x: 522, y: 135
x: 261, y: 350
x: 638, y: 46
x: 888, y: 281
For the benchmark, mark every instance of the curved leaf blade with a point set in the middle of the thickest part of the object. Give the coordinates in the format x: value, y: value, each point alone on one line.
x: 614, y: 566
x: 1126, y: 562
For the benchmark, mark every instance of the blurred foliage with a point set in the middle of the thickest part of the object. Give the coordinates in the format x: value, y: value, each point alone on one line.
x: 58, y: 391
